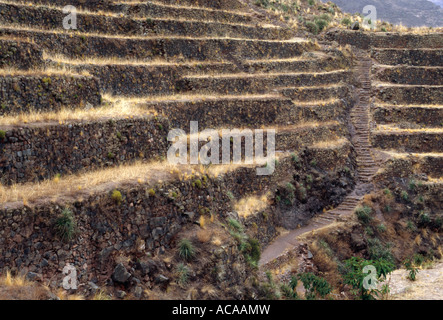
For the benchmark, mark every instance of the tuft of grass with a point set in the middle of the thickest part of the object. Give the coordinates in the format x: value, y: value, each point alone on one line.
x: 404, y: 195
x: 2, y: 135
x: 151, y: 192
x: 312, y: 27
x: 186, y: 250
x: 117, y: 196
x: 364, y: 214
x: 182, y: 273
x: 346, y: 21
x: 197, y: 183
x: 66, y: 226
x: 235, y: 224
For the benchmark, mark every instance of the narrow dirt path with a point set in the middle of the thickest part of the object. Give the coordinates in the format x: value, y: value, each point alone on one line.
x: 366, y: 169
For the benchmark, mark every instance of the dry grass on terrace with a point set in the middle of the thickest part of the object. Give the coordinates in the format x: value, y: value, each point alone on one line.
x: 395, y: 129
x: 12, y: 72
x: 101, y: 13
x: 117, y: 110
x: 95, y: 182
x: 157, y: 61
x: 251, y: 205
x: 184, y: 98
x: 183, y: 7
x: 20, y: 28
x: 18, y: 288
x: 90, y: 182
x: 333, y: 143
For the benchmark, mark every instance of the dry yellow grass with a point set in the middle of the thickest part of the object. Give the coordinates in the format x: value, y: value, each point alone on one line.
x: 333, y: 143
x: 118, y: 110
x: 157, y: 61
x: 18, y: 288
x: 393, y: 128
x: 86, y: 184
x: 18, y: 27
x: 46, y: 72
x: 204, y: 236
x: 252, y: 205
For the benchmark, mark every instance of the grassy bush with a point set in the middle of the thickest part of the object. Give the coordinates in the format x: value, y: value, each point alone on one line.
x: 379, y: 251
x: 364, y: 214
x: 321, y: 24
x: 314, y: 285
x: 404, y: 195
x: 182, y: 273
x: 197, y: 183
x: 312, y: 27
x: 186, y: 250
x: 117, y: 196
x: 234, y: 224
x: 2, y: 135
x: 66, y: 226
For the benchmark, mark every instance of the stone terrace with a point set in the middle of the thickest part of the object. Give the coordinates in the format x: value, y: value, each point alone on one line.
x: 63, y: 98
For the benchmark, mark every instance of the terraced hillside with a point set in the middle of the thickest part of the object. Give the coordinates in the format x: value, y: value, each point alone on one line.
x: 85, y: 118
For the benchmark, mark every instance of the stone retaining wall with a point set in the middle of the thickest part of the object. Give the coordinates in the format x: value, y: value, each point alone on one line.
x: 34, y: 153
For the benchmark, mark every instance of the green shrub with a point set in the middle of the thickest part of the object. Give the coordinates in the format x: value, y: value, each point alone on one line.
x: 354, y: 276
x: 295, y: 158
x: 234, y: 224
x: 326, y: 17
x: 312, y: 27
x: 2, y: 135
x: 411, y: 268
x: 311, y: 2
x: 411, y: 226
x: 314, y: 286
x: 151, y: 192
x: 66, y: 226
x: 364, y: 214
x: 117, y: 196
x: 321, y: 24
x: 346, y: 22
x: 381, y: 227
x: 262, y: 3
x: 404, y: 195
x: 378, y: 250
x: 186, y: 250
x: 424, y: 219
x: 182, y: 272
x: 412, y: 184
x: 197, y: 183
x: 252, y: 251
